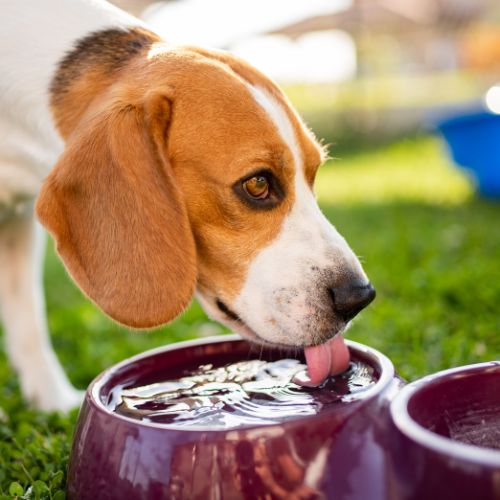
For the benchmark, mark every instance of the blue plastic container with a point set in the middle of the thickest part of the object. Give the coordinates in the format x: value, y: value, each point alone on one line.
x: 474, y: 143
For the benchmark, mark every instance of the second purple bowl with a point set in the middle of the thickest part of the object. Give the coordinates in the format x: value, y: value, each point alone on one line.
x: 447, y: 436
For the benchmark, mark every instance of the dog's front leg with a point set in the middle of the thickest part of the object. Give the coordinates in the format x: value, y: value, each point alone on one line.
x: 42, y: 378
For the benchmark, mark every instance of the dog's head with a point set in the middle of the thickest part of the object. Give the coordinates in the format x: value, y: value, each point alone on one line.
x: 191, y: 171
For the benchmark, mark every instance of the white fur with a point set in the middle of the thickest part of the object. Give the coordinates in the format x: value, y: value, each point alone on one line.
x: 34, y: 36
x: 284, y: 297
x: 43, y: 381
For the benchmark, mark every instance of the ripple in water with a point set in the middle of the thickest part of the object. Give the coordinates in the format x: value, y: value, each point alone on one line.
x: 239, y: 394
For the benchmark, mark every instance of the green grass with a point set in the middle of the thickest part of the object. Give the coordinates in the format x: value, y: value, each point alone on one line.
x: 431, y: 249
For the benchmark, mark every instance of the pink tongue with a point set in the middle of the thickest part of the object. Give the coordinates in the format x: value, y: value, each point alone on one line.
x: 318, y: 359
x: 326, y: 359
x: 340, y: 355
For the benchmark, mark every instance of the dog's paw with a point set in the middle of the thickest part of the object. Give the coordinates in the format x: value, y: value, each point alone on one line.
x: 64, y: 402
x: 54, y: 394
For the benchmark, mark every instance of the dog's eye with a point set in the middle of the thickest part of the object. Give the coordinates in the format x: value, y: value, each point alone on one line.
x: 259, y: 190
x: 257, y: 187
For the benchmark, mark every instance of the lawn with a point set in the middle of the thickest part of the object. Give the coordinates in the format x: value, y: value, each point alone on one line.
x: 430, y: 247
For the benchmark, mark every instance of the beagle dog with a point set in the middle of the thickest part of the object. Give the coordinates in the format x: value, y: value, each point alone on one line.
x: 161, y: 172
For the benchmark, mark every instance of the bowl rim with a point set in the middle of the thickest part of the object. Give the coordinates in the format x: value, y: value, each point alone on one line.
x: 430, y: 440
x: 92, y: 394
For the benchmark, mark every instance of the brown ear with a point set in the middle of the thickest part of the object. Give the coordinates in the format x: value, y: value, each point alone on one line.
x: 118, y: 218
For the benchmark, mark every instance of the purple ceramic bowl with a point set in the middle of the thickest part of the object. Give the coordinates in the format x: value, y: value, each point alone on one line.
x: 337, y: 453
x: 447, y: 427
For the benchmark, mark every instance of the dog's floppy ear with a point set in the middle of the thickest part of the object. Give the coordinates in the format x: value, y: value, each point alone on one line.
x: 118, y: 218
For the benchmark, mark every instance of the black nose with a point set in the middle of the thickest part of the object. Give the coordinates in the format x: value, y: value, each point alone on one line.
x: 349, y: 300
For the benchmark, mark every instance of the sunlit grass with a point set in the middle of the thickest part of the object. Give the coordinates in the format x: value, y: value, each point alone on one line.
x: 412, y: 170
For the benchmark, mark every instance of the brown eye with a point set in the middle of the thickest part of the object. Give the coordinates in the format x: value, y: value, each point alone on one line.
x: 257, y: 187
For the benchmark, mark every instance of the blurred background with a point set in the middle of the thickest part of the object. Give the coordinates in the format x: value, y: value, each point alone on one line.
x: 376, y: 80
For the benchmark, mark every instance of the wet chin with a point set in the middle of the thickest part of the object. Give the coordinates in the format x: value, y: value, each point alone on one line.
x: 288, y: 339
x: 300, y: 333
x: 310, y: 333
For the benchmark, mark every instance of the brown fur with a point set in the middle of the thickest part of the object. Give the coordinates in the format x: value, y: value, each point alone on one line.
x: 155, y: 142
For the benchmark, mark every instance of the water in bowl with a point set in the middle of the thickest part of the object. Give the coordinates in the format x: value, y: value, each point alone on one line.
x: 245, y: 393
